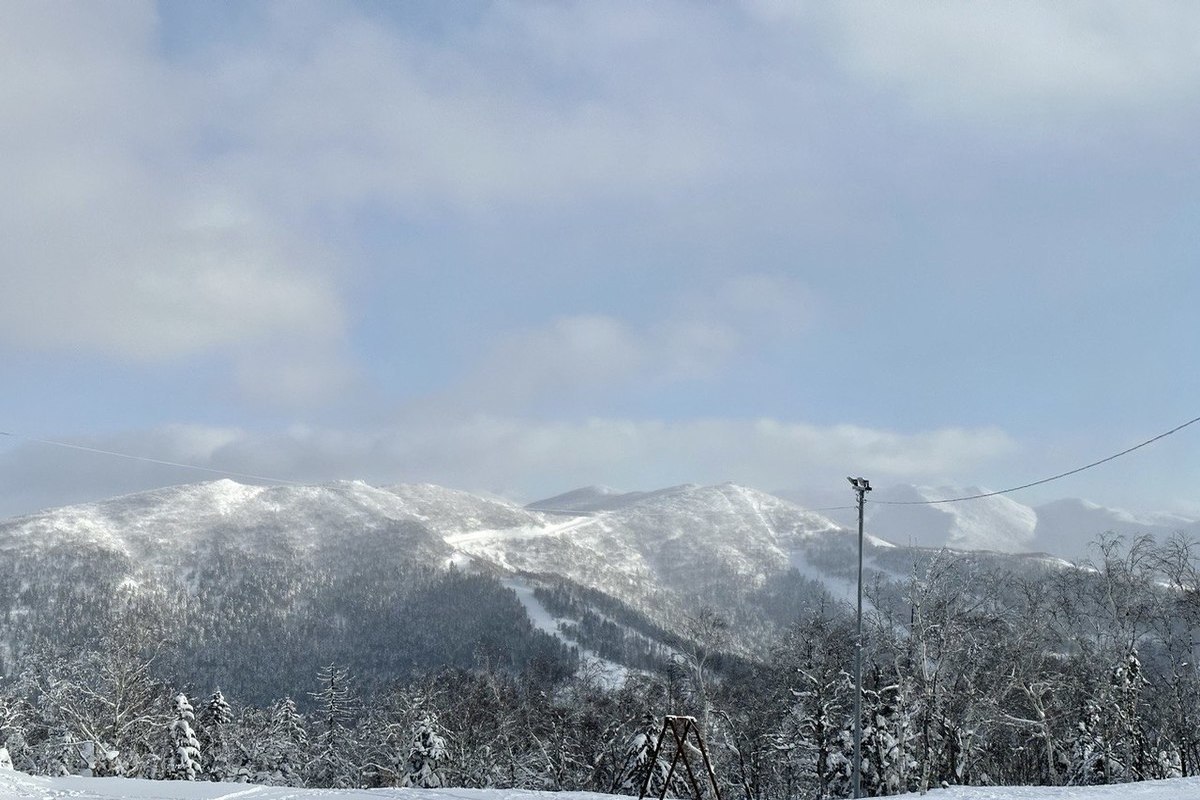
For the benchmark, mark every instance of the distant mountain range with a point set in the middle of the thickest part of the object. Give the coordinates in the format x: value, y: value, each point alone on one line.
x: 1065, y: 528
x: 256, y: 587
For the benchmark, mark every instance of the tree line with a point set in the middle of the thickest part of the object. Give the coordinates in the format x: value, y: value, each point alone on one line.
x: 971, y: 676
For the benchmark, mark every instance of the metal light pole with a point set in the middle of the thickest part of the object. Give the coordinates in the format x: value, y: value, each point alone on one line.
x: 861, y: 487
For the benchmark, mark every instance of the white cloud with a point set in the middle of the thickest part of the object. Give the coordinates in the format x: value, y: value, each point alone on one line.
x: 521, y: 458
x: 118, y: 240
x: 296, y: 376
x: 693, y: 338
x: 375, y: 113
x: 997, y: 61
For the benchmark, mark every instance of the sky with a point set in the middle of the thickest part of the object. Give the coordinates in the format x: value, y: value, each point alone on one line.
x: 522, y: 247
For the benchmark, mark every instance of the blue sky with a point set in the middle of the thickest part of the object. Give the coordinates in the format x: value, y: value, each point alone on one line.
x: 520, y: 247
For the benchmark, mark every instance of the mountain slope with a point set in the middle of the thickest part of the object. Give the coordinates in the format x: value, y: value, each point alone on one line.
x: 256, y: 587
x: 1072, y: 525
x: 989, y: 523
x: 666, y: 552
x: 1065, y: 528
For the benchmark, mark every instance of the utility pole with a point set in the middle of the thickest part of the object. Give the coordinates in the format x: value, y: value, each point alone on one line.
x: 861, y: 487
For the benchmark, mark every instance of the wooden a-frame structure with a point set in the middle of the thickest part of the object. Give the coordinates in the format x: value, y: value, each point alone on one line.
x: 681, y: 728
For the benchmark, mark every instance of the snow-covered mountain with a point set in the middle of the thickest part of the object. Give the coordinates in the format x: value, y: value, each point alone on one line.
x: 263, y: 584
x: 1065, y: 528
x: 256, y: 587
x: 1070, y: 526
x: 990, y: 523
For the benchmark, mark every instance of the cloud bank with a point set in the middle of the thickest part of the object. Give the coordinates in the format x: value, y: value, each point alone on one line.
x: 520, y: 458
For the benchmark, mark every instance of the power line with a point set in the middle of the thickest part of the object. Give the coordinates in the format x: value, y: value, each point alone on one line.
x: 162, y: 462
x: 1075, y: 471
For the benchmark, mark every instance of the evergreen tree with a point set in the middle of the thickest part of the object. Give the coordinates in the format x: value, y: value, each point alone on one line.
x: 285, y: 744
x: 213, y: 736
x: 183, y: 754
x: 1136, y: 761
x: 1088, y: 761
x: 639, y: 766
x: 58, y: 754
x: 332, y: 764
x: 426, y: 754
x: 819, y: 717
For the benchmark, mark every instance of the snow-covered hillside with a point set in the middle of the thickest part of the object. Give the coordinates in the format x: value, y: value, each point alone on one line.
x: 345, y: 568
x: 261, y: 585
x: 17, y: 786
x: 1065, y: 528
x: 681, y: 540
x: 304, y: 573
x: 990, y: 523
x: 1070, y: 526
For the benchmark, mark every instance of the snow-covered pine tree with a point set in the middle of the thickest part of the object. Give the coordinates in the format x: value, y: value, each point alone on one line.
x: 1088, y: 759
x: 426, y: 754
x: 12, y: 729
x: 889, y: 765
x: 639, y: 768
x: 183, y: 753
x: 58, y: 754
x: 213, y: 736
x: 1137, y: 761
x: 819, y: 714
x: 283, y: 751
x: 891, y: 744
x: 332, y: 764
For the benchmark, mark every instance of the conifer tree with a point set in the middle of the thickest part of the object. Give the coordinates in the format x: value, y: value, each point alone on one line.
x: 183, y: 754
x: 332, y: 763
x: 286, y: 743
x: 639, y: 766
x: 213, y: 735
x: 426, y: 754
x: 1088, y: 761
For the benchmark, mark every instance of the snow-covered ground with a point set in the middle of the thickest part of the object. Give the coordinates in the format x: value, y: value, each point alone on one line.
x: 18, y: 786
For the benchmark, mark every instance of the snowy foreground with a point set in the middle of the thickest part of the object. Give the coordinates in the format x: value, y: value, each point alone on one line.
x: 18, y: 786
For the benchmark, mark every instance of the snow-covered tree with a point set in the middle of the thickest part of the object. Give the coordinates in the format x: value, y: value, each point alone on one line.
x: 333, y: 764
x: 1089, y: 755
x: 213, y: 735
x: 818, y: 716
x: 59, y: 754
x: 1128, y: 679
x: 889, y: 763
x: 639, y: 766
x: 12, y: 728
x: 183, y: 749
x: 283, y: 746
x: 426, y: 754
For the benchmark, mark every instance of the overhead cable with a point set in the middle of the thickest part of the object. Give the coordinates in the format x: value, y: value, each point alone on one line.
x: 1075, y: 471
x: 162, y: 462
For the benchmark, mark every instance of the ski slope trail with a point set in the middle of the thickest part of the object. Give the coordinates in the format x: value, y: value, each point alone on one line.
x: 524, y: 532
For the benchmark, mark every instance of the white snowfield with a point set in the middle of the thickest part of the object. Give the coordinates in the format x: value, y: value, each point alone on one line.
x: 18, y: 786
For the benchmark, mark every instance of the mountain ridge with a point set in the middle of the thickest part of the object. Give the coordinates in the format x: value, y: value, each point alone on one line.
x: 263, y: 583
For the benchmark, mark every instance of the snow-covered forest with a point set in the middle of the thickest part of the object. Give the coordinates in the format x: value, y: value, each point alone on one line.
x: 972, y: 676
